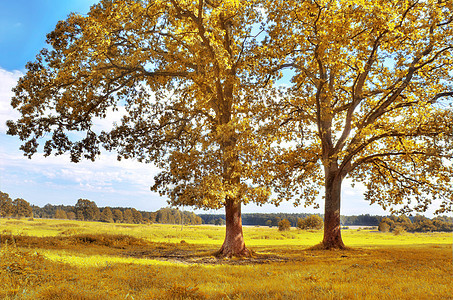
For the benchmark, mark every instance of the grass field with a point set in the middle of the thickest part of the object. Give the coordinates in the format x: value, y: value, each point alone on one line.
x: 58, y: 259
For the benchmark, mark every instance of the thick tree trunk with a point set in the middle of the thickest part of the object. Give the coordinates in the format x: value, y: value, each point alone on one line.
x: 332, y: 227
x: 234, y: 239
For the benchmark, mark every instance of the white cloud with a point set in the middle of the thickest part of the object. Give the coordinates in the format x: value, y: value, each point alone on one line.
x: 348, y: 190
x: 108, y: 122
x: 106, y: 173
x: 8, y: 80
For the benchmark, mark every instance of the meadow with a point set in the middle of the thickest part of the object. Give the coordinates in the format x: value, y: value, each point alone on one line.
x: 61, y: 259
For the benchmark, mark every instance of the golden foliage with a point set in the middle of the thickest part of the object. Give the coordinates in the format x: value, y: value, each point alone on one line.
x: 187, y: 76
x: 370, y: 99
x: 196, y: 84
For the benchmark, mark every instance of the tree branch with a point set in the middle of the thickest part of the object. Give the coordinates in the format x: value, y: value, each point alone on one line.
x: 357, y: 93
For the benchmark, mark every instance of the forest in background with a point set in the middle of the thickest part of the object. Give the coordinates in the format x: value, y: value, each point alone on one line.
x: 86, y: 210
x: 392, y: 223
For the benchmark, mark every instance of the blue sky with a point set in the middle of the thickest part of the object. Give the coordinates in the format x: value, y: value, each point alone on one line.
x: 23, y: 28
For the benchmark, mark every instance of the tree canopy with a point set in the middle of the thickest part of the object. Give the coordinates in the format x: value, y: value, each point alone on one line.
x: 370, y: 99
x: 184, y: 73
x: 86, y: 210
x: 194, y: 80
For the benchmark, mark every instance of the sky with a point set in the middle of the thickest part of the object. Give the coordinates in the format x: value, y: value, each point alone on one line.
x: 55, y: 180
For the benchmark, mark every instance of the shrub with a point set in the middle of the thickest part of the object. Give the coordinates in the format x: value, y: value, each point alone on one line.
x: 384, y: 227
x: 284, y: 225
x: 311, y: 222
x: 389, y: 224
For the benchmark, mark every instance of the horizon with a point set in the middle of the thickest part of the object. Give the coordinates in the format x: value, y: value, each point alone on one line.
x: 200, y: 211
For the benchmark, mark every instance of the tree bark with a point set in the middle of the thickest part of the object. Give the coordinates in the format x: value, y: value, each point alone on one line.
x: 234, y: 239
x: 332, y: 226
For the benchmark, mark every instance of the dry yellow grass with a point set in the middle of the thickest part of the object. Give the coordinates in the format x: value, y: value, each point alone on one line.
x: 42, y: 262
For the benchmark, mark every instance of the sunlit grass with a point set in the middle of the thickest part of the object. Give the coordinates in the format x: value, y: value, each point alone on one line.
x: 60, y: 265
x: 98, y: 261
x: 213, y: 235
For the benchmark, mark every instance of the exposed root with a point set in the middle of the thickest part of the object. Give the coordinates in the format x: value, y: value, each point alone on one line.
x: 323, y: 246
x: 230, y: 253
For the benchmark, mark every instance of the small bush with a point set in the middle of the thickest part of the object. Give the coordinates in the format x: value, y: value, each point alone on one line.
x: 284, y: 225
x: 384, y: 227
x: 311, y: 222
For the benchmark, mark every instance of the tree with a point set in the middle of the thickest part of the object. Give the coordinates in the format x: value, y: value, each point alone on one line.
x: 370, y: 99
x: 405, y: 223
x: 284, y: 225
x: 117, y: 215
x: 136, y: 216
x: 60, y: 214
x: 219, y: 221
x: 128, y: 217
x: 71, y: 215
x: 87, y: 210
x: 423, y: 224
x: 21, y: 208
x: 106, y: 215
x: 443, y: 224
x: 6, y: 205
x: 187, y: 76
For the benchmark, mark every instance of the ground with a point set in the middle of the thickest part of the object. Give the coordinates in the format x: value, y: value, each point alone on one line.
x: 50, y: 259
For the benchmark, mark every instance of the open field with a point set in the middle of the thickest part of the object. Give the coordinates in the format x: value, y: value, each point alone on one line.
x: 60, y: 259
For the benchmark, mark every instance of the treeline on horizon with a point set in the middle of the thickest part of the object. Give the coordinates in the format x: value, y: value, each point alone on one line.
x: 87, y: 210
x: 272, y: 219
x: 392, y: 223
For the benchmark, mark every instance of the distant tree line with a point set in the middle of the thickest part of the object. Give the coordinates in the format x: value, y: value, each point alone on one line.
x: 87, y: 210
x: 307, y: 221
x: 417, y: 223
x: 361, y: 220
x: 273, y: 219
x: 255, y: 219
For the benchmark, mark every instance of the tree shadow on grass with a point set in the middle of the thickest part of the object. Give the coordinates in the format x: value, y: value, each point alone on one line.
x: 196, y: 254
x: 128, y: 246
x: 202, y: 254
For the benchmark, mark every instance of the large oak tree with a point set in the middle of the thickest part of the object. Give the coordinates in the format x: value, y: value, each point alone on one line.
x: 185, y: 75
x: 370, y: 99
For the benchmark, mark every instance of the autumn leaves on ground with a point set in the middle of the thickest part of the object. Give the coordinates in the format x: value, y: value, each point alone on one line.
x: 56, y: 259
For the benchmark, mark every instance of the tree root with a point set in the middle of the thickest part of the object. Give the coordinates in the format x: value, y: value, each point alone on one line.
x: 230, y: 253
x: 323, y: 246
